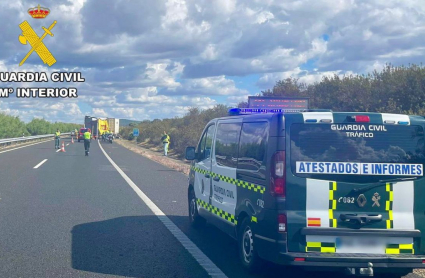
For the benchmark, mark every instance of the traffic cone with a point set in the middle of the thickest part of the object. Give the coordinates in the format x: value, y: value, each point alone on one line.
x: 63, y: 147
x: 72, y: 140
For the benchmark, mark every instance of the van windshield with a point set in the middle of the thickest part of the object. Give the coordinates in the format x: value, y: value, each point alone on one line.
x: 356, y: 152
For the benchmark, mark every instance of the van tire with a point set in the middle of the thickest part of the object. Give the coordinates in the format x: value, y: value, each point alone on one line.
x: 247, y: 253
x: 195, y: 219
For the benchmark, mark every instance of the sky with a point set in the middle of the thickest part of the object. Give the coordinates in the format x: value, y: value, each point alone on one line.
x: 154, y: 59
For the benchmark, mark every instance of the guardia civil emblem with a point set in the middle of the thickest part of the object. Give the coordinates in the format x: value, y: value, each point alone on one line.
x: 36, y: 42
x: 376, y: 199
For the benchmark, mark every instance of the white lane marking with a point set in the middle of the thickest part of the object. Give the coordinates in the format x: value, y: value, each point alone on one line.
x: 58, y: 150
x: 39, y: 164
x: 25, y: 146
x: 200, y: 257
x: 67, y: 144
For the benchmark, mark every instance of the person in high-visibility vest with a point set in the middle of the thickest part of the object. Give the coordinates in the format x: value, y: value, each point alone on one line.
x: 57, y: 139
x: 166, y: 141
x: 87, y: 139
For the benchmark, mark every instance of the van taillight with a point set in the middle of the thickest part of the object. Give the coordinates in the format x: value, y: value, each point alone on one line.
x: 277, y: 177
x: 281, y: 220
x: 361, y: 119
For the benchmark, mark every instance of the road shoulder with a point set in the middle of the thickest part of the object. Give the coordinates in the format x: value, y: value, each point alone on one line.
x: 169, y: 162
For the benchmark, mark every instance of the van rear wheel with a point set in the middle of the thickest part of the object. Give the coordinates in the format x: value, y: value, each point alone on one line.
x: 247, y: 252
x: 194, y: 218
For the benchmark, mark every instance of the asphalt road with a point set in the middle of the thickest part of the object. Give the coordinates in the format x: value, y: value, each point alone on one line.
x: 76, y: 216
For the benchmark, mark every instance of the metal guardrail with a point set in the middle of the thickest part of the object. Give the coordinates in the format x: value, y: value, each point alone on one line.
x: 21, y: 140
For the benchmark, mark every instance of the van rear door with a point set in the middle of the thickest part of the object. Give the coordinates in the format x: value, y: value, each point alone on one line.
x: 361, y: 186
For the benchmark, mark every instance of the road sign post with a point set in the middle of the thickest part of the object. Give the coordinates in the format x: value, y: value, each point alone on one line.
x: 135, y: 133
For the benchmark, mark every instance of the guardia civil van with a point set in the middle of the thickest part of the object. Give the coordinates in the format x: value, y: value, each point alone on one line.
x: 314, y: 189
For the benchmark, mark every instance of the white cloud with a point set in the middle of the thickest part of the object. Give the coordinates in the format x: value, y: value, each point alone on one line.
x: 264, y: 17
x: 99, y: 112
x: 267, y: 81
x: 208, y: 86
x: 210, y: 53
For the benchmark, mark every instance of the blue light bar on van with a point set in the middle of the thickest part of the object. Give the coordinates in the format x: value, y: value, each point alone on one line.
x: 240, y: 111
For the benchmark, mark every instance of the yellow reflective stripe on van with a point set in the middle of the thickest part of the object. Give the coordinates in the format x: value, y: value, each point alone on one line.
x: 332, y: 204
x: 225, y: 215
x: 199, y: 170
x: 322, y: 247
x: 250, y: 186
x: 389, y: 206
x: 400, y: 249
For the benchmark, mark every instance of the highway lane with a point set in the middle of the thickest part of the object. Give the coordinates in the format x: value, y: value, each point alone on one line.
x: 75, y: 217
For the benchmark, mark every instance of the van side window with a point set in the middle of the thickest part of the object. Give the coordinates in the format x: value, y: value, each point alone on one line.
x: 227, y: 144
x: 205, y: 144
x: 253, y: 146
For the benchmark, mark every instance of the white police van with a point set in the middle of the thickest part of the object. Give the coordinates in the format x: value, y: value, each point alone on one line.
x: 314, y: 189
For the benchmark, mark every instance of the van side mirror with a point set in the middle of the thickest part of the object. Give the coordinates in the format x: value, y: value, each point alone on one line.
x: 190, y: 153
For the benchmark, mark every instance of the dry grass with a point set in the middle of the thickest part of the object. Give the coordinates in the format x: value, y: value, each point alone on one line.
x: 420, y: 272
x: 155, y: 154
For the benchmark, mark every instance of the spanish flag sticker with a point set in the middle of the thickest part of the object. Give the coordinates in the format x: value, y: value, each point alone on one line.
x: 313, y: 222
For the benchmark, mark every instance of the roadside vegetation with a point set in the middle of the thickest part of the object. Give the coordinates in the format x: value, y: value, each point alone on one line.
x: 183, y: 131
x: 11, y: 126
x: 392, y: 90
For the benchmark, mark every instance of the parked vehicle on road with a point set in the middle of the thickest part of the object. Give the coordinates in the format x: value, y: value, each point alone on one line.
x: 315, y: 189
x: 81, y: 133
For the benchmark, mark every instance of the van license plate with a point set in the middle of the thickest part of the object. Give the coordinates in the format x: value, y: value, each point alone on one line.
x: 360, y: 245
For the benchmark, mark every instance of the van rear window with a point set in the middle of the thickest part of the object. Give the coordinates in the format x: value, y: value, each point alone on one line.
x: 355, y: 145
x: 227, y: 144
x: 253, y: 146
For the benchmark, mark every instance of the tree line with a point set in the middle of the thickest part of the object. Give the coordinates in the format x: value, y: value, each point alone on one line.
x: 391, y: 90
x: 11, y: 126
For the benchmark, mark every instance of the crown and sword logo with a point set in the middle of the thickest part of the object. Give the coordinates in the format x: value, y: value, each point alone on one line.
x: 36, y: 42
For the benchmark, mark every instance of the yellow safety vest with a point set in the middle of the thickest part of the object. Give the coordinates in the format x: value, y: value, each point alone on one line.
x: 57, y: 133
x: 166, y: 139
x: 87, y: 135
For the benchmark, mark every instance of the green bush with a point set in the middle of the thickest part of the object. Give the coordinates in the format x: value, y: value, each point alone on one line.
x: 392, y: 90
x: 183, y: 132
x: 41, y: 126
x: 11, y: 126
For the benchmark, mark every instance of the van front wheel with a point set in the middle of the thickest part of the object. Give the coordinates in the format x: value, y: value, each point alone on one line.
x: 247, y: 252
x: 194, y: 218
